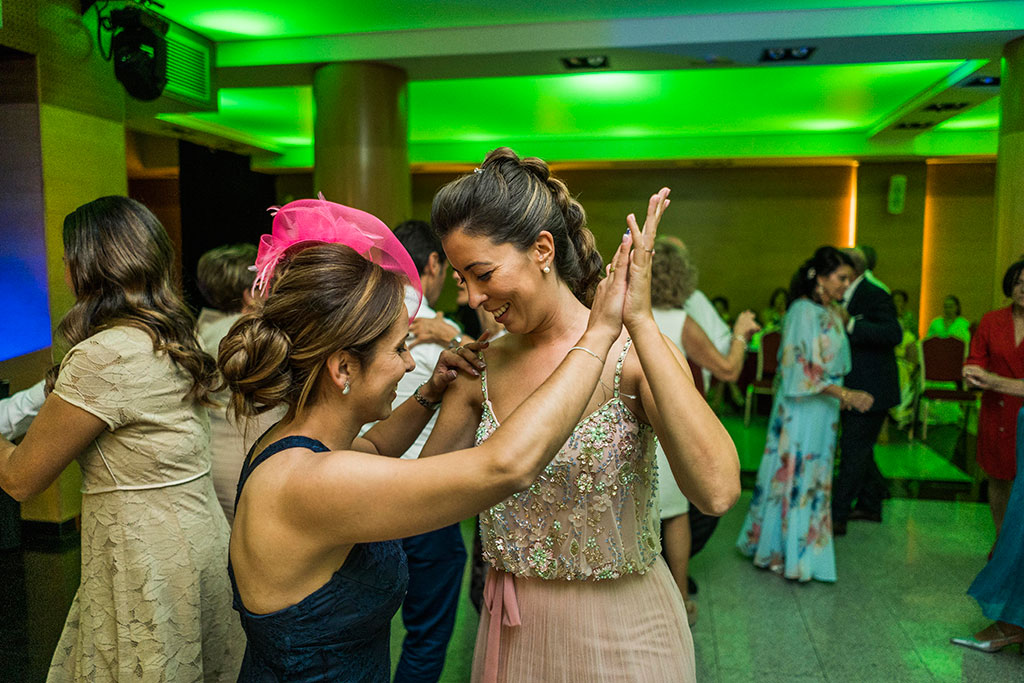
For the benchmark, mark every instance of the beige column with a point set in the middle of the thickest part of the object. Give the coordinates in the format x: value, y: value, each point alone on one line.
x: 1010, y: 166
x: 361, y: 138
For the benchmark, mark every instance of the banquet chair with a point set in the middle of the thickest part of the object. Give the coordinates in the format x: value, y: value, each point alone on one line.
x: 942, y: 360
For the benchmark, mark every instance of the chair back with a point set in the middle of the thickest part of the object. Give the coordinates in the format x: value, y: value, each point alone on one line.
x: 768, y: 355
x: 942, y: 359
x: 698, y: 375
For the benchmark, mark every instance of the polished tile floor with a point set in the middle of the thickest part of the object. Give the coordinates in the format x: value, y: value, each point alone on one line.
x: 899, y: 597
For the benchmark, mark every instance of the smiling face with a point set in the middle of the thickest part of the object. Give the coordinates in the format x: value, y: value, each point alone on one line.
x: 501, y: 279
x: 375, y: 384
x: 834, y: 285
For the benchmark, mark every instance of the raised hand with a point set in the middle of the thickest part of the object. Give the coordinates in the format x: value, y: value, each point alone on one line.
x: 449, y: 363
x: 637, y: 307
x: 606, y: 309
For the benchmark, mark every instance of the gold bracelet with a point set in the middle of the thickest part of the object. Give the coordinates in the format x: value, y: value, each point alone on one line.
x: 586, y: 350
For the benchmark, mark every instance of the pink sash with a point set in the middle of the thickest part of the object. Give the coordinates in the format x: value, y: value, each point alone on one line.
x: 503, y: 608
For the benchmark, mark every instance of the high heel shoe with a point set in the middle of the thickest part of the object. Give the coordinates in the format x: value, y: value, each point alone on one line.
x: 992, y: 639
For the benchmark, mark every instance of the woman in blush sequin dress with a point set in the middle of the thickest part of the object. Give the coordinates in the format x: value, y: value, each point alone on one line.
x: 577, y: 590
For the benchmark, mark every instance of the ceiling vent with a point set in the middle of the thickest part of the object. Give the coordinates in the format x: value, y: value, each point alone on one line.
x: 188, y: 69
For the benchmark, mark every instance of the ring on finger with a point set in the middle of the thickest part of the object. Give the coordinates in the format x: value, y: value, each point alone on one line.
x: 458, y: 349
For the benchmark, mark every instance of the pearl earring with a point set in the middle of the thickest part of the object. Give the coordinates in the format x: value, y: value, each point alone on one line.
x: 348, y: 388
x: 547, y: 269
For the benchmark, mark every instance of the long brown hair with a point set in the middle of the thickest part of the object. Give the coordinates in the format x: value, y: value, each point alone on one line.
x: 120, y: 260
x: 511, y: 200
x: 327, y: 299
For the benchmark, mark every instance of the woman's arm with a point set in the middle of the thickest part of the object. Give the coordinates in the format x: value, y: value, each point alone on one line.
x: 980, y: 378
x: 394, y: 435
x: 59, y: 434
x: 699, y: 450
x: 353, y: 497
x: 699, y: 348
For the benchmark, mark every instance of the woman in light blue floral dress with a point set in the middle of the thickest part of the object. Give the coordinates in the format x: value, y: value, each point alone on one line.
x: 789, y: 526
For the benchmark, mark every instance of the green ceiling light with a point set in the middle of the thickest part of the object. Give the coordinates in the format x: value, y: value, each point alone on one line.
x: 825, y: 125
x: 985, y: 116
x: 237, y: 23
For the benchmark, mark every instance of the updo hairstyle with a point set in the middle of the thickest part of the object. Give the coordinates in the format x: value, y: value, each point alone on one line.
x: 673, y: 274
x: 510, y: 201
x: 826, y: 260
x: 328, y: 298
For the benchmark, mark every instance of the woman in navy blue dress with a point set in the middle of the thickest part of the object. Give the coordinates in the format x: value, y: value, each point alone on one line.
x: 316, y: 572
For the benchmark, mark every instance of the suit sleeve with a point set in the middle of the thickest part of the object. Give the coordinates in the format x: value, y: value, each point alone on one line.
x: 879, y: 325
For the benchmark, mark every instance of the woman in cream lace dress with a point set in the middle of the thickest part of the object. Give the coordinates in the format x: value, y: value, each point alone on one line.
x: 155, y: 600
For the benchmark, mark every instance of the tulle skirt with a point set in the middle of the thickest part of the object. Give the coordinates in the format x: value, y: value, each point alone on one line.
x: 631, y: 629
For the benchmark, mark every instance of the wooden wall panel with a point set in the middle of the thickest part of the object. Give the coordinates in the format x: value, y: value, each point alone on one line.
x: 959, y: 239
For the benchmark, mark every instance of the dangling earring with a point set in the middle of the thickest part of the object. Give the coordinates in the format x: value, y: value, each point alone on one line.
x: 547, y: 269
x: 348, y: 388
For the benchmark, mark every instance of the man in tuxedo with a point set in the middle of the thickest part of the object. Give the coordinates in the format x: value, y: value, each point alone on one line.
x: 874, y: 331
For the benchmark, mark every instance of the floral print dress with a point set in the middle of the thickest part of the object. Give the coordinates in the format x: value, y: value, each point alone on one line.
x: 789, y: 526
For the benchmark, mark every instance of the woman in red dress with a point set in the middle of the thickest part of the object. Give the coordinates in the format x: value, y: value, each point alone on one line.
x: 996, y: 348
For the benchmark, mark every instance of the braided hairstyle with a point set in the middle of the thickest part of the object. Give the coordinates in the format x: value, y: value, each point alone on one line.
x: 511, y: 200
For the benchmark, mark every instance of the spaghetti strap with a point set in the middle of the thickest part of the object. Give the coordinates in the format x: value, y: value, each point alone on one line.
x: 483, y: 376
x: 280, y: 445
x: 618, y: 366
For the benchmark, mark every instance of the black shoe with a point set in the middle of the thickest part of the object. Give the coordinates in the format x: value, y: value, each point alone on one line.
x: 691, y: 586
x: 865, y: 515
x: 838, y: 528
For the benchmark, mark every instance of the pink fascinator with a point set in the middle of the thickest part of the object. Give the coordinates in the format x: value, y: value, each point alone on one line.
x: 318, y: 220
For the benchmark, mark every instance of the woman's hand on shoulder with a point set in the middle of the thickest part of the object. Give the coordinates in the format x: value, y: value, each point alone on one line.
x: 450, y: 363
x: 637, y: 309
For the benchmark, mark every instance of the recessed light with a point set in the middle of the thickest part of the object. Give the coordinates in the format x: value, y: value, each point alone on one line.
x: 588, y: 62
x: 787, y: 54
x: 946, y: 106
x: 983, y: 81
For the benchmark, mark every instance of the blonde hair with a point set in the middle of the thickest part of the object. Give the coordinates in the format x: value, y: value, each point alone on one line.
x: 673, y: 274
x: 327, y: 299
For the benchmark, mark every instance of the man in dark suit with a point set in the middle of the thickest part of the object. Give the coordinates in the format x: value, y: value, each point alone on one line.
x: 874, y: 331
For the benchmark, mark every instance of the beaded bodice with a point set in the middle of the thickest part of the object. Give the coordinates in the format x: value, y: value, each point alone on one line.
x: 592, y: 513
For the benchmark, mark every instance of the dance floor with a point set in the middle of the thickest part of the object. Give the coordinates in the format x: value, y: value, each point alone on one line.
x: 899, y: 597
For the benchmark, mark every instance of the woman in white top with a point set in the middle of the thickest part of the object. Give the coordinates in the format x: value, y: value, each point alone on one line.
x: 673, y: 280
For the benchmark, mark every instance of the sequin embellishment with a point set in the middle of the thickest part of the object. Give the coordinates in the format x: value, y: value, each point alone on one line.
x: 591, y: 514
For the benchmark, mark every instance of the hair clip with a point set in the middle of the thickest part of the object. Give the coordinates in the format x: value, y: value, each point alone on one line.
x: 478, y: 170
x: 811, y: 273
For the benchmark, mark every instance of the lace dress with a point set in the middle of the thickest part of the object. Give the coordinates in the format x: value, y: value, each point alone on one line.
x: 577, y: 589
x: 155, y: 601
